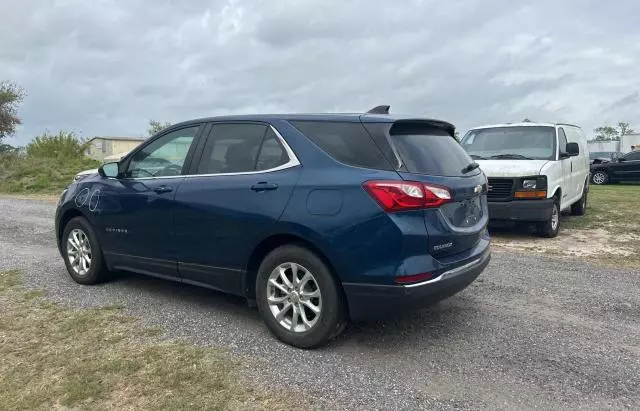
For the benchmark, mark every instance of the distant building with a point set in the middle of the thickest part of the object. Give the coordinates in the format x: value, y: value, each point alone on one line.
x: 629, y: 140
x: 101, y: 147
x: 623, y: 146
x: 603, y: 146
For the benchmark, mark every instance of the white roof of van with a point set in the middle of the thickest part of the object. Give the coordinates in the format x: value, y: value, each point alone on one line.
x: 525, y: 124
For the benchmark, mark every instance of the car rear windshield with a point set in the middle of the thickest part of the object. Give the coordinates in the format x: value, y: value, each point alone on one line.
x: 511, y: 143
x: 428, y: 150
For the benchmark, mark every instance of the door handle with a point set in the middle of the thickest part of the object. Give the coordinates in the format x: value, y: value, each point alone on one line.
x: 163, y: 189
x: 264, y: 186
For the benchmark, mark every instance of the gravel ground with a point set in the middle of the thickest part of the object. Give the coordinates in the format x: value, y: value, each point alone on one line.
x: 530, y: 333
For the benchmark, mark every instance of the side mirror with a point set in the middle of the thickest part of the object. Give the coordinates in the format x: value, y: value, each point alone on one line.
x: 573, y: 149
x: 109, y: 170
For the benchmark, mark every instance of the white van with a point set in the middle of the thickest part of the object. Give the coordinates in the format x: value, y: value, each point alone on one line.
x: 535, y: 171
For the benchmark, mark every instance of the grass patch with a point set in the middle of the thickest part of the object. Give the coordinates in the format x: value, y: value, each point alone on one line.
x: 40, y: 175
x: 55, y: 358
x: 611, y: 207
x: 608, y: 234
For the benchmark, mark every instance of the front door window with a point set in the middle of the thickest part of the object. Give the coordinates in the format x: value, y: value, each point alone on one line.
x: 163, y: 157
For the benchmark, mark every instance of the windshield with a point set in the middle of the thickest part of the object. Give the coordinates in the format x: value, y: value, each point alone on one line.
x: 511, y: 143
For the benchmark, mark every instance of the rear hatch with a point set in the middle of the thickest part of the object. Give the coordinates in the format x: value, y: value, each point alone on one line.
x: 426, y: 152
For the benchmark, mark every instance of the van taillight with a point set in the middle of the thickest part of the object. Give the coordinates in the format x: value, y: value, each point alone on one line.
x: 407, y: 195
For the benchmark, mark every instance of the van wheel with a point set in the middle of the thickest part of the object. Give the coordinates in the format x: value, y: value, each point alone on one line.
x: 580, y: 207
x: 599, y: 178
x: 550, y: 227
x: 82, y: 252
x: 298, y: 297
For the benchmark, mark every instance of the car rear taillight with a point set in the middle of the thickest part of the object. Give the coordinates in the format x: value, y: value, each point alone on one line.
x: 407, y: 195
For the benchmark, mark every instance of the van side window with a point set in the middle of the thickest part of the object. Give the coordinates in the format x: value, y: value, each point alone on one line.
x: 562, y: 141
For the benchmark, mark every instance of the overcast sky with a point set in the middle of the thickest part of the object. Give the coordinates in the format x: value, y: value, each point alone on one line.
x: 106, y: 67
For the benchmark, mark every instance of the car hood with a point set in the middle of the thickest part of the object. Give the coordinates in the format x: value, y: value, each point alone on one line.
x: 85, y: 172
x: 511, y: 168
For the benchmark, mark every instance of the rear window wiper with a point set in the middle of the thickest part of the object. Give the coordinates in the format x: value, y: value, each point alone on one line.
x: 512, y: 156
x: 470, y: 167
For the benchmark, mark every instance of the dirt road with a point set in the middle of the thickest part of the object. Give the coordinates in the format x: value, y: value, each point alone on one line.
x: 531, y: 333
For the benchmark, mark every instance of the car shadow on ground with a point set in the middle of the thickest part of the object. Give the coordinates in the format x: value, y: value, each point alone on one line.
x: 186, y: 295
x: 446, y: 319
x: 517, y: 228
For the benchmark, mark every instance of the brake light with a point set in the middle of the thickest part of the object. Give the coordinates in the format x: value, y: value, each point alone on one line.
x: 406, y: 195
x: 436, y: 195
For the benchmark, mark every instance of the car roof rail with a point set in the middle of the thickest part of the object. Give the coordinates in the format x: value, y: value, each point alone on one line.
x: 384, y: 109
x: 567, y: 124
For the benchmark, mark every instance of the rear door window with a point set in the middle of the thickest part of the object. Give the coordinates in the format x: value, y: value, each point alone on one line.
x: 241, y: 148
x: 428, y: 150
x: 231, y: 148
x: 347, y: 142
x: 272, y: 154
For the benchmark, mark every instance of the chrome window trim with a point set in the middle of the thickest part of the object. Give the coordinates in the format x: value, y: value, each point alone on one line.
x: 293, y: 162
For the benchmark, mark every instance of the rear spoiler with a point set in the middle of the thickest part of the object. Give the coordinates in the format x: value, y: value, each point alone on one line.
x: 443, y: 125
x: 448, y: 127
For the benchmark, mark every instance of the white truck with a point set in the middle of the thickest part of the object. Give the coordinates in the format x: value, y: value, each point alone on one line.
x: 535, y: 171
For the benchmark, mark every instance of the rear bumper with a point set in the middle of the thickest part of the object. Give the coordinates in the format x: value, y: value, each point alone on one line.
x: 374, y: 300
x: 521, y: 210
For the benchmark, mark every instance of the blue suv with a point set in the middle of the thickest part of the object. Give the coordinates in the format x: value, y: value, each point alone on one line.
x: 314, y: 218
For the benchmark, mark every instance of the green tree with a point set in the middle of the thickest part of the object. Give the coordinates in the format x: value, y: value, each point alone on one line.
x: 155, y: 126
x: 7, y: 149
x: 63, y: 145
x: 11, y: 96
x: 624, y: 129
x: 609, y: 133
x: 605, y: 133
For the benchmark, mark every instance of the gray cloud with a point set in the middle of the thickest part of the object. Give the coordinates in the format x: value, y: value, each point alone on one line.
x: 108, y: 67
x: 628, y: 100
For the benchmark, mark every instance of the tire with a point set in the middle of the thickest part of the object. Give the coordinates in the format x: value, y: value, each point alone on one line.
x: 550, y: 228
x: 310, y: 330
x: 580, y: 207
x: 79, y: 231
x: 600, y: 178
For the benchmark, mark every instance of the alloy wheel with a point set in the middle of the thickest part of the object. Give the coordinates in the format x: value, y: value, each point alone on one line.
x: 79, y: 251
x: 599, y: 178
x: 294, y: 297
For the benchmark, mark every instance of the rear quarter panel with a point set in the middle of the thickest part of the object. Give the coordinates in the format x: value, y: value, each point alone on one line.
x: 363, y: 243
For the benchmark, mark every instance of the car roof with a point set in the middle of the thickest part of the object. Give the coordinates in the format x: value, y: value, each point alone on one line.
x: 526, y: 124
x: 343, y: 117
